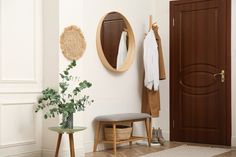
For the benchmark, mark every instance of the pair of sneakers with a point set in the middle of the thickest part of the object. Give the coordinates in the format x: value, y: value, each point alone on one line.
x: 157, y: 136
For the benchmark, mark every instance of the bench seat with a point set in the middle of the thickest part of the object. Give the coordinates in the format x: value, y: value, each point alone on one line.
x: 122, y: 117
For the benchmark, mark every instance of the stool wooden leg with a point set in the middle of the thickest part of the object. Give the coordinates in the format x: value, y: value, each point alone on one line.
x: 72, y: 147
x: 132, y: 124
x: 58, y: 144
x: 97, y: 134
x: 114, y: 138
x: 147, y: 125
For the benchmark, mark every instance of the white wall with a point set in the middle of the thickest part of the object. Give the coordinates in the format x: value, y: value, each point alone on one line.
x: 162, y: 17
x: 112, y: 92
x: 20, y: 77
x: 118, y: 93
x: 71, y: 13
x: 50, y: 68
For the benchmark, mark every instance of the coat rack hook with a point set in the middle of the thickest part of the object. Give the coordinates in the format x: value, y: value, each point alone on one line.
x: 150, y: 22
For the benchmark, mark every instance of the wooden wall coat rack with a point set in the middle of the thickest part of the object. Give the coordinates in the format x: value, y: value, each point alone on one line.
x: 150, y: 22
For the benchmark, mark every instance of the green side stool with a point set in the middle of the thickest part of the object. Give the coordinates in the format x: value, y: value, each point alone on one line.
x: 70, y: 132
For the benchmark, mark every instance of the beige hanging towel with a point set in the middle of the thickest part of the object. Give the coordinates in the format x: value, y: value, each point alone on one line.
x: 150, y: 98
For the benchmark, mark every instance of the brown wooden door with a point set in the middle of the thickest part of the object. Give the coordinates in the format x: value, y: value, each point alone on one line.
x: 200, y: 95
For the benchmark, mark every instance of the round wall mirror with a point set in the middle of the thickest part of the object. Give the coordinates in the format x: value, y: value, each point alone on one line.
x: 115, y: 42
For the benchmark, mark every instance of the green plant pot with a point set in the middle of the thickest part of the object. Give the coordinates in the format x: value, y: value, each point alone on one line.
x: 68, y: 123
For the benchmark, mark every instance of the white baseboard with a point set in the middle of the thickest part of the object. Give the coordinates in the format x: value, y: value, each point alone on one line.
x: 28, y: 154
x: 79, y: 152
x: 166, y: 135
x: 233, y: 141
x: 89, y: 146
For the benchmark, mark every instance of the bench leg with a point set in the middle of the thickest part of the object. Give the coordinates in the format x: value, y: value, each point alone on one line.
x: 147, y: 125
x: 114, y: 138
x: 132, y: 124
x: 150, y: 128
x: 96, y: 138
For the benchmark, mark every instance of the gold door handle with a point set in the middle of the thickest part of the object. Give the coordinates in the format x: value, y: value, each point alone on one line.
x: 222, y: 74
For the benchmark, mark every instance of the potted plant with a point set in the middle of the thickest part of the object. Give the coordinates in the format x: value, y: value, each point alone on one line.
x: 67, y: 100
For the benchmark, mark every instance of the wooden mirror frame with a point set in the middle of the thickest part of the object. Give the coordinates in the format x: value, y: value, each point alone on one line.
x: 131, y: 47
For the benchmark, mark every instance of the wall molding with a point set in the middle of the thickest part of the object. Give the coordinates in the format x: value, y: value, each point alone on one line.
x: 35, y: 66
x: 23, y: 92
x: 27, y: 154
x: 20, y: 88
x: 0, y: 39
x: 17, y: 143
x: 21, y: 143
x: 33, y: 83
x: 0, y: 121
x: 18, y: 103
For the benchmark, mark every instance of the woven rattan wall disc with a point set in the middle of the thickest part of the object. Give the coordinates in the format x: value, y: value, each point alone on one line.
x: 72, y: 43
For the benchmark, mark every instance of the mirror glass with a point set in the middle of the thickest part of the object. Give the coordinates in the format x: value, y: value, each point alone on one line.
x: 116, y: 41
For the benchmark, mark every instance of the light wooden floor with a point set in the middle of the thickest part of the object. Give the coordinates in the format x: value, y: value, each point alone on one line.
x: 137, y: 150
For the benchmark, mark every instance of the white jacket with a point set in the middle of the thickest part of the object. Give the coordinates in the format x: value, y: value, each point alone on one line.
x: 151, y: 61
x: 122, y: 50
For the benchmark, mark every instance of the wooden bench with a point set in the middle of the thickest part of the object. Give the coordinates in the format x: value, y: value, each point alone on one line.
x: 115, y: 119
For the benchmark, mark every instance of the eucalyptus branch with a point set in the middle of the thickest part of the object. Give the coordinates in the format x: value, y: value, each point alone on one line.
x: 65, y: 101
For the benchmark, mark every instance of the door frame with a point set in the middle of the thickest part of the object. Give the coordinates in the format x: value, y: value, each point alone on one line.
x: 228, y: 68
